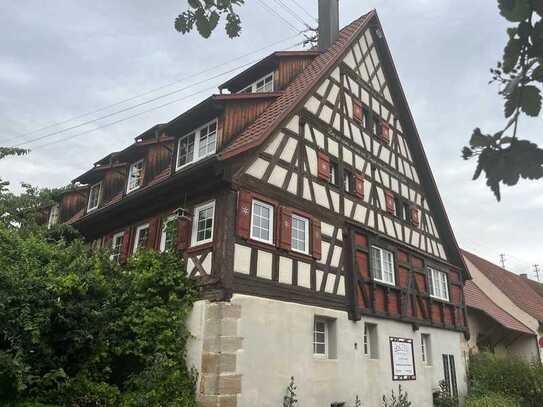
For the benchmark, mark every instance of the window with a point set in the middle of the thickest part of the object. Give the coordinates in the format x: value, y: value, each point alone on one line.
x: 377, y: 126
x: 449, y: 373
x: 366, y: 118
x: 370, y: 341
x: 202, y: 227
x: 197, y: 145
x: 300, y: 234
x: 94, y: 196
x: 54, y: 215
x: 262, y: 222
x: 426, y: 349
x: 142, y: 236
x: 135, y: 176
x: 439, y: 287
x: 264, y: 84
x: 382, y: 265
x: 333, y: 173
x: 116, y: 247
x: 320, y: 334
x: 168, y: 235
x: 348, y: 181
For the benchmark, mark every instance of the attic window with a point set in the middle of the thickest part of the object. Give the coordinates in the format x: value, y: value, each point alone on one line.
x: 135, y: 176
x: 262, y: 85
x: 94, y: 196
x: 196, y: 145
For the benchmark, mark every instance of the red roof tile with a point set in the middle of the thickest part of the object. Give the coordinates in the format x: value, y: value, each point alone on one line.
x: 271, y: 118
x: 475, y: 298
x: 518, y: 289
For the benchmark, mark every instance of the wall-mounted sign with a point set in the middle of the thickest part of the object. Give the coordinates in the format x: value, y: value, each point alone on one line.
x: 402, y: 358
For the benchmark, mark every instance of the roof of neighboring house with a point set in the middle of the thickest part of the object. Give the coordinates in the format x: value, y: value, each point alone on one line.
x: 475, y: 298
x: 518, y: 289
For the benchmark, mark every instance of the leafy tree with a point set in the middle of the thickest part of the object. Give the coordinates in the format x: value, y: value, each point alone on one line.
x: 206, y: 14
x: 503, y: 156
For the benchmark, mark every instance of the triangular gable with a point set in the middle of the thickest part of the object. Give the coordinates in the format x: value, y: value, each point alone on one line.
x: 325, y: 90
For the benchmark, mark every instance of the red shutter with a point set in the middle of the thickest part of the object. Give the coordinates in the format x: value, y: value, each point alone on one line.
x: 316, y: 239
x: 125, y: 250
x: 324, y: 166
x: 243, y: 219
x: 359, y: 186
x: 386, y: 133
x: 389, y: 197
x: 184, y: 229
x: 285, y: 228
x: 154, y: 226
x: 415, y: 217
x: 358, y: 111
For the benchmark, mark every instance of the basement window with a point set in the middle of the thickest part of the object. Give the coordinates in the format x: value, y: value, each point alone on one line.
x: 371, y: 348
x: 202, y: 229
x: 94, y: 196
x: 135, y: 176
x: 382, y: 265
x: 264, y: 84
x: 142, y: 236
x: 324, y: 338
x: 197, y: 145
x: 438, y: 284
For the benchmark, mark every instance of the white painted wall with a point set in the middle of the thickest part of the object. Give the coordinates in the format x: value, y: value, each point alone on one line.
x: 277, y: 344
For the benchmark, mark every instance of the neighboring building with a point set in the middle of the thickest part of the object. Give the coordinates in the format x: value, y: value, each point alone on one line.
x: 304, y: 203
x: 505, y: 310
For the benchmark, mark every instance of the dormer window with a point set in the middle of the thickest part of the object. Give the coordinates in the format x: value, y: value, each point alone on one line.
x: 135, y: 176
x: 197, y: 144
x: 262, y: 85
x: 94, y: 196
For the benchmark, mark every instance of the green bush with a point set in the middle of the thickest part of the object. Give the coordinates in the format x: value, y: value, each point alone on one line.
x: 77, y: 330
x: 491, y: 374
x: 493, y: 400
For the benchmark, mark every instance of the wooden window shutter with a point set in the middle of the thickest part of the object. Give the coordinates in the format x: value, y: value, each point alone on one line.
x: 358, y: 111
x: 386, y: 133
x: 184, y: 230
x: 154, y: 227
x: 415, y: 221
x: 389, y: 197
x: 285, y: 228
x: 359, y: 186
x: 243, y: 218
x: 106, y: 241
x: 316, y: 239
x: 125, y: 249
x: 324, y: 166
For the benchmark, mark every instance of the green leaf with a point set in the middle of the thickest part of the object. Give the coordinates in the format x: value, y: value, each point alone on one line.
x: 479, y: 139
x: 213, y: 20
x: 202, y: 23
x: 515, y: 10
x: 195, y: 4
x: 511, y: 54
x: 511, y: 103
x: 530, y: 100
x: 524, y: 30
x: 537, y: 74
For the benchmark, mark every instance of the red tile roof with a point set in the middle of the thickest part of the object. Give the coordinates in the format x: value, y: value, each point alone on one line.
x: 272, y: 117
x: 517, y: 288
x: 475, y: 298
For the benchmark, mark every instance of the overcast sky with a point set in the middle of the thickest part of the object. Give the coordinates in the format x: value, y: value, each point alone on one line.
x: 62, y: 59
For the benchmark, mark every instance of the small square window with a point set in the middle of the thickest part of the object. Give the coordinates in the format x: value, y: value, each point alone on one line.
x: 135, y: 176
x: 438, y: 284
x: 142, y: 236
x: 300, y: 234
x: 202, y: 226
x: 262, y: 222
x: 382, y: 265
x: 94, y: 196
x: 116, y: 247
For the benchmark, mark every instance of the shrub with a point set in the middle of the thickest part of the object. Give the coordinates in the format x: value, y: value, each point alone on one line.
x: 492, y: 374
x: 401, y: 400
x: 493, y: 400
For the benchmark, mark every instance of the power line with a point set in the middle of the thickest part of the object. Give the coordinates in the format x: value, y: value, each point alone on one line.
x: 305, y: 10
x: 136, y: 114
x: 88, y: 113
x: 279, y: 15
x: 502, y: 260
x: 292, y: 12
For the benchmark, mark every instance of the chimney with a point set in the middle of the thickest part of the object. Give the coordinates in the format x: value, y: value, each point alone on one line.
x: 328, y: 23
x: 524, y: 275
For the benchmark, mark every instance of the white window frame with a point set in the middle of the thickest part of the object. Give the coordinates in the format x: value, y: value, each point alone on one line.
x: 253, y: 89
x: 98, y: 199
x: 113, y: 240
x: 326, y: 338
x: 137, y: 236
x: 195, y: 221
x: 426, y: 349
x: 306, y: 233
x: 382, y: 262
x: 130, y: 173
x: 436, y: 287
x: 371, y: 340
x: 271, y: 222
x: 196, y: 149
x: 163, y: 235
x: 54, y: 215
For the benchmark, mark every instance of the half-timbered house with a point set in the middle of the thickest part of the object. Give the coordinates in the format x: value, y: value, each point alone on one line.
x: 304, y: 204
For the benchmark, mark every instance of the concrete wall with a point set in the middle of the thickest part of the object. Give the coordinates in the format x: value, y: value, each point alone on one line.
x: 277, y: 344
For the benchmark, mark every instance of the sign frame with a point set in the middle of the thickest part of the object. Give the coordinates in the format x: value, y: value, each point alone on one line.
x: 395, y: 375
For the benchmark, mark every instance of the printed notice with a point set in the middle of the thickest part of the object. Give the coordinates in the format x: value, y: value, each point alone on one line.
x: 402, y: 359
